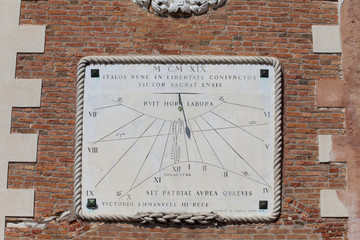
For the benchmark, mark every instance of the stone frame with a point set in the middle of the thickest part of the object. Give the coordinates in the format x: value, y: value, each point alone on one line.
x: 176, y: 217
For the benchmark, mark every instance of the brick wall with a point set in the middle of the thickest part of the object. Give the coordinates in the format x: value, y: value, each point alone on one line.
x: 78, y: 28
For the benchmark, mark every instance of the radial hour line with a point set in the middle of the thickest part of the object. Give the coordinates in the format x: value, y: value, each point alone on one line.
x: 110, y: 106
x: 124, y: 154
x: 120, y: 104
x: 118, y: 128
x: 209, y: 144
x: 235, y: 150
x: 241, y: 105
x: 167, y: 139
x: 237, y: 126
x: 197, y: 146
x: 142, y: 165
x: 129, y: 138
x: 206, y: 130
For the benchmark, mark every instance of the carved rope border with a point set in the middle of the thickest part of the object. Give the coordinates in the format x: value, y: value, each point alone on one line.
x: 177, y: 217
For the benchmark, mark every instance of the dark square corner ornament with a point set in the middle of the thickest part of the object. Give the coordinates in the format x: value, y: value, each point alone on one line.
x: 177, y: 139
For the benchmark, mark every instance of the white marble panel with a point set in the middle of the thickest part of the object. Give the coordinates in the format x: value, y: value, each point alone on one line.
x: 326, y: 39
x: 331, y: 205
x: 325, y: 146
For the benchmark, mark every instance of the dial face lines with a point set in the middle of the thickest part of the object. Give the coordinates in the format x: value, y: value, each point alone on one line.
x: 207, y: 141
x: 196, y: 144
x: 236, y: 126
x: 206, y: 130
x: 133, y: 120
x: 232, y: 148
x: 166, y: 144
x: 124, y: 154
x: 242, y: 105
x: 147, y: 155
x: 155, y: 145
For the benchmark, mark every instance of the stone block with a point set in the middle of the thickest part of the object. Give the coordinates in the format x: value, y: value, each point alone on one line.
x: 326, y: 39
x: 15, y: 203
x: 17, y: 93
x: 325, y: 146
x: 331, y: 205
x: 16, y: 38
x: 16, y: 148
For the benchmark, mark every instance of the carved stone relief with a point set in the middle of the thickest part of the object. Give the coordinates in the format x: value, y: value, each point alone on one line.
x: 179, y: 8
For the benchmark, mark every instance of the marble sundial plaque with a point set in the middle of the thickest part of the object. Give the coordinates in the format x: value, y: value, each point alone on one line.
x: 179, y: 136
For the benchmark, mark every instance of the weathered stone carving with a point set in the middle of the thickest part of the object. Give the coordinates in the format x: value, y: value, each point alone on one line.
x: 179, y: 7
